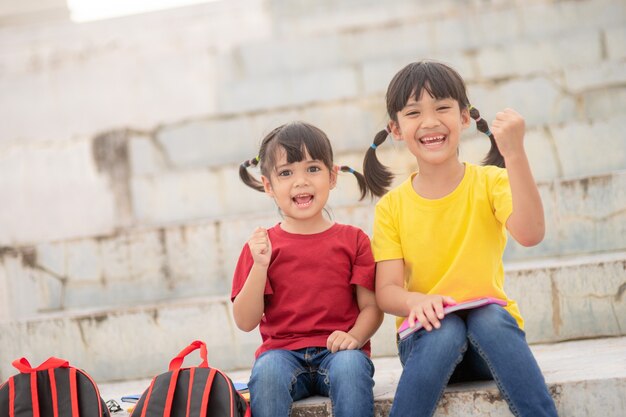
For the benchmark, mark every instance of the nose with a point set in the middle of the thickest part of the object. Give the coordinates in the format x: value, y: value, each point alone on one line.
x: 430, y: 119
x: 300, y: 180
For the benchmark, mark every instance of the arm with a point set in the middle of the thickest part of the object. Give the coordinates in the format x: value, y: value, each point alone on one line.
x: 249, y: 304
x: 367, y: 322
x: 393, y: 298
x: 526, y: 223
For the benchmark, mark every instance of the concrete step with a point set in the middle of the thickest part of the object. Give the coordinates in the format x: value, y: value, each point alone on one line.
x: 560, y: 299
x: 139, y: 265
x: 586, y: 378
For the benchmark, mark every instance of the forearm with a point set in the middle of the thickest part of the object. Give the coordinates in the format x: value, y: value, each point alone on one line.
x: 249, y: 305
x: 368, y: 321
x: 394, y: 300
x: 526, y: 223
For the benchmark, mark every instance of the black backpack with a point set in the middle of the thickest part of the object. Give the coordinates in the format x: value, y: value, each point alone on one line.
x: 199, y: 391
x: 53, y: 389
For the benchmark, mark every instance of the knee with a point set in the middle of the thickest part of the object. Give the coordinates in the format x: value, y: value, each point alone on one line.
x: 449, y: 340
x: 491, y: 320
x: 270, y: 370
x: 452, y: 332
x: 350, y: 365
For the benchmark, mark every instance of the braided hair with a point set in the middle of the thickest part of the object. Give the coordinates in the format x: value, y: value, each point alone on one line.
x: 440, y: 81
x: 296, y: 139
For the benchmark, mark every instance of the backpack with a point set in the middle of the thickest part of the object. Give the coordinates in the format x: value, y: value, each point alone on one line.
x: 199, y: 391
x: 53, y: 389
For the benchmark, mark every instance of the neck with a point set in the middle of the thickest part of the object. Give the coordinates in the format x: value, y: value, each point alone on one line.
x: 436, y: 181
x: 312, y: 225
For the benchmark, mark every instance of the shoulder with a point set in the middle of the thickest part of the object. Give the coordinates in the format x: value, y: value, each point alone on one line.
x: 488, y: 172
x: 349, y: 230
x: 397, y: 194
x: 488, y: 177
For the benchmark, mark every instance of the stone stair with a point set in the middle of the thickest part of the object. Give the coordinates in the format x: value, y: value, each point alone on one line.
x: 585, y: 377
x: 119, y: 231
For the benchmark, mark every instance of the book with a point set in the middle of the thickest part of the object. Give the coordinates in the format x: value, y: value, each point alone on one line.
x: 405, y: 330
x: 131, y: 398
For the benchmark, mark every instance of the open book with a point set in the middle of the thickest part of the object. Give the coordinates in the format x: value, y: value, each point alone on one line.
x: 404, y: 330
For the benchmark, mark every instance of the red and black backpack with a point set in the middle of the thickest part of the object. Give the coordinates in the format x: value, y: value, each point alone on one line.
x: 199, y: 391
x: 53, y: 389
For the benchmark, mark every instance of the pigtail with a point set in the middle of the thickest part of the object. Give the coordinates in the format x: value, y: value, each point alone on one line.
x: 377, y: 176
x: 359, y: 178
x: 494, y: 157
x: 248, y: 179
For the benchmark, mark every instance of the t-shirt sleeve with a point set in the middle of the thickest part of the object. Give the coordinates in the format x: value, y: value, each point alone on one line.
x: 364, y: 267
x: 244, y: 265
x: 501, y: 196
x: 386, y: 239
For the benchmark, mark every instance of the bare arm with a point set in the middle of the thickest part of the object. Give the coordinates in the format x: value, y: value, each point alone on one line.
x: 249, y: 305
x: 393, y: 298
x: 526, y: 223
x: 367, y: 322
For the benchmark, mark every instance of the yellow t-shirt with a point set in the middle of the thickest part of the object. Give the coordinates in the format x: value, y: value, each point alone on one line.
x: 452, y: 245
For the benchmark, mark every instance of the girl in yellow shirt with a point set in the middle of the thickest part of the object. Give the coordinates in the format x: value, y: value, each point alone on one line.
x: 439, y: 238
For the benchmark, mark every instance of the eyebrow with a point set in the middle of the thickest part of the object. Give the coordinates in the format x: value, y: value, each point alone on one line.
x: 307, y: 161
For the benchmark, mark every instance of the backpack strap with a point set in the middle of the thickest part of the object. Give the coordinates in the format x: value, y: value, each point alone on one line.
x: 33, y: 393
x: 11, y: 397
x: 74, y: 393
x: 177, y: 362
x: 170, y: 393
x: 192, y: 373
x: 207, y: 391
x: 24, y: 366
x: 53, y: 392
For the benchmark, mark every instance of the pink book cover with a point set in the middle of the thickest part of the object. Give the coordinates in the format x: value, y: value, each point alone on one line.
x: 404, y: 330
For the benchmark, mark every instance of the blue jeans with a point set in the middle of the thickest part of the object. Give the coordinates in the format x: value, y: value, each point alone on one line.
x: 280, y: 377
x: 478, y: 344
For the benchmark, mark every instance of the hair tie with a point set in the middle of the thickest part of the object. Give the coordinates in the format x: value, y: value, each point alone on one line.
x: 256, y: 158
x: 387, y: 129
x: 373, y: 146
x: 350, y: 170
x: 488, y: 132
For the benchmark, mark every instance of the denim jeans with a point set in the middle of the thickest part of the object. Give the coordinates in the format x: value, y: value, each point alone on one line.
x: 280, y: 377
x: 478, y: 344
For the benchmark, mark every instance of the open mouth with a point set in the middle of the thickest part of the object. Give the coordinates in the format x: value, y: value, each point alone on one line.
x: 303, y: 200
x: 433, y: 141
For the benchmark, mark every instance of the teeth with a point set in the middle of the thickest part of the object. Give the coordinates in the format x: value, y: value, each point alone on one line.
x: 433, y: 139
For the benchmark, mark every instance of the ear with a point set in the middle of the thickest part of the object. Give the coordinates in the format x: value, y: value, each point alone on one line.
x: 396, y: 133
x: 466, y: 119
x: 333, y: 176
x: 267, y: 185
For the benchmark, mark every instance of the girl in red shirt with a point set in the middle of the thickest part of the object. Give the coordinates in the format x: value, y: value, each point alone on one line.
x: 307, y: 282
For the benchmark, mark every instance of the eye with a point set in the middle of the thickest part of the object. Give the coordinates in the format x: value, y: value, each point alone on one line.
x: 314, y: 168
x: 443, y: 108
x: 413, y: 113
x: 284, y: 173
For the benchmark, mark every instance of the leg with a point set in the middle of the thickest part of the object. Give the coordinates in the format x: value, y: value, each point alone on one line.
x: 472, y: 368
x: 347, y: 378
x: 494, y: 334
x: 429, y: 358
x: 278, y: 378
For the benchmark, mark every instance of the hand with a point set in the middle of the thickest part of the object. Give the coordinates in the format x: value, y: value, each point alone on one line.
x: 339, y: 340
x: 428, y: 309
x: 260, y: 247
x: 508, y: 129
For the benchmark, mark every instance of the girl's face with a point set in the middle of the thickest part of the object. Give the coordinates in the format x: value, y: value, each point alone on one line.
x: 431, y: 128
x: 300, y: 189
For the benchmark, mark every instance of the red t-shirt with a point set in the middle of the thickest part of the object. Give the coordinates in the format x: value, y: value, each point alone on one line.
x: 310, y: 290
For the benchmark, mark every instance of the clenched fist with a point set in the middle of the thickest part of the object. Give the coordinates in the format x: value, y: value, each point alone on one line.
x: 260, y: 247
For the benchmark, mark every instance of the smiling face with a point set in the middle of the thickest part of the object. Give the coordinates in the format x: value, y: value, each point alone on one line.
x: 431, y: 128
x: 300, y: 188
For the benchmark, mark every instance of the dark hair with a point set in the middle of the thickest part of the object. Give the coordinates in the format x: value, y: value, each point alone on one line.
x: 440, y: 81
x: 296, y: 139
